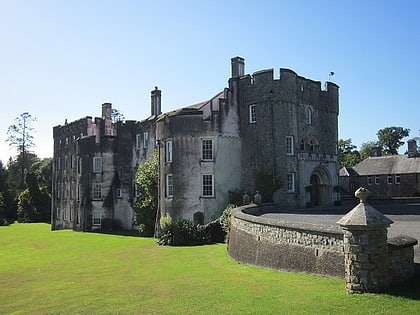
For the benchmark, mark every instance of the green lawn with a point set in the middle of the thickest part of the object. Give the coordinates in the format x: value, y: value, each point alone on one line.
x: 66, y: 272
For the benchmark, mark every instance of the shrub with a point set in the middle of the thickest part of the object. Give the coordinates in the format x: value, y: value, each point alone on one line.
x: 225, y: 217
x: 181, y: 233
x: 214, y: 232
x: 165, y: 221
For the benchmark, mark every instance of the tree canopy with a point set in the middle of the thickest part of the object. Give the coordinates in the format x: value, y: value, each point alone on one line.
x: 348, y: 155
x: 20, y: 136
x: 390, y: 139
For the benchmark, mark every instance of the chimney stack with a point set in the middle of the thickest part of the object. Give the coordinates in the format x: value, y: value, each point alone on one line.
x: 238, y: 66
x: 156, y: 102
x: 376, y: 151
x: 412, y: 148
x: 106, y: 111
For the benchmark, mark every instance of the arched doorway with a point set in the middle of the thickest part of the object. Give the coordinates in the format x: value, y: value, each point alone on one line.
x: 315, y: 190
x: 321, y: 191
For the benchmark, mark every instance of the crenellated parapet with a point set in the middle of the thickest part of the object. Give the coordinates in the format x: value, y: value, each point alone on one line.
x: 289, y: 87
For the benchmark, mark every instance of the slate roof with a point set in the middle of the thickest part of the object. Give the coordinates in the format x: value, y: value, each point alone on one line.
x: 348, y: 171
x: 193, y: 109
x: 392, y: 164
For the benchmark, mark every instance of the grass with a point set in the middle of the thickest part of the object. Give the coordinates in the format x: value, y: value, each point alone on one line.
x: 65, y: 272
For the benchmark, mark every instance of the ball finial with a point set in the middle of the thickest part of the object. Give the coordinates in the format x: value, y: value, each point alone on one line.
x: 363, y: 194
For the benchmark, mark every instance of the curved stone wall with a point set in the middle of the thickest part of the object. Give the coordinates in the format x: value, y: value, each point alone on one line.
x: 284, y: 245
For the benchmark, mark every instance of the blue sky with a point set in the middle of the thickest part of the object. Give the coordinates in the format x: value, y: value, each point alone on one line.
x: 62, y: 59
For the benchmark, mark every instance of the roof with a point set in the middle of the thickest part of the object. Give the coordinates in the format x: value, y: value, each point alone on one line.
x: 194, y: 109
x: 391, y: 164
x: 348, y: 171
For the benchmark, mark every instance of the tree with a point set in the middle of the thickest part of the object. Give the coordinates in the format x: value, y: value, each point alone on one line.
x: 348, y: 156
x: 43, y: 171
x: 3, y: 220
x: 14, y: 169
x: 147, y: 183
x: 20, y: 136
x: 390, y: 139
x: 34, y: 204
x: 116, y: 115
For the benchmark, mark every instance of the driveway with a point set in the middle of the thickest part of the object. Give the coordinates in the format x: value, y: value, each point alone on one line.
x: 406, y: 218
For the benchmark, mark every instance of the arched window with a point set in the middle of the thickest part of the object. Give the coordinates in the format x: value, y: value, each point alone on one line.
x: 311, y: 146
x: 308, y: 115
x: 302, y: 145
x: 198, y: 218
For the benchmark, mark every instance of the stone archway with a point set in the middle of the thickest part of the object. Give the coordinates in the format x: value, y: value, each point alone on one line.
x: 320, y: 192
x: 315, y: 190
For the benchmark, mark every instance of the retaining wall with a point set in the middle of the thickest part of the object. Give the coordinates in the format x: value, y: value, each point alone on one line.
x: 285, y: 245
x: 304, y: 247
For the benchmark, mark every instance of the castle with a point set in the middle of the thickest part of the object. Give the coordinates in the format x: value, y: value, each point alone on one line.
x: 278, y: 136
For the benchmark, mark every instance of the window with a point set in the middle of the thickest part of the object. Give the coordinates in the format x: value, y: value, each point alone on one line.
x: 207, y: 186
x: 289, y: 145
x: 65, y: 162
x: 97, y: 164
x: 252, y: 114
x: 71, y: 190
x: 168, y: 151
x: 369, y: 180
x: 59, y: 163
x: 138, y: 141
x: 376, y: 180
x: 118, y: 193
x: 397, y: 179
x: 65, y: 188
x: 291, y: 182
x: 308, y: 115
x: 79, y: 166
x: 146, y: 140
x: 96, y: 218
x: 67, y: 141
x: 302, y: 145
x: 311, y: 146
x: 77, y: 217
x: 78, y: 191
x: 58, y: 190
x: 97, y: 191
x: 389, y: 179
x: 169, y: 186
x: 58, y: 214
x: 207, y: 149
x: 72, y: 161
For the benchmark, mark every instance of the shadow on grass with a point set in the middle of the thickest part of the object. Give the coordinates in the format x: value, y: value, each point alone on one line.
x: 409, y: 289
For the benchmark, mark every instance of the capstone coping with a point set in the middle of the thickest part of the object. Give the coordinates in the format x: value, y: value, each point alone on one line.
x: 364, y: 215
x: 243, y: 213
x: 402, y: 241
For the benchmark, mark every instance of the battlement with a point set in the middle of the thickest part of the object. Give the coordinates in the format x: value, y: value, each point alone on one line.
x: 286, y: 77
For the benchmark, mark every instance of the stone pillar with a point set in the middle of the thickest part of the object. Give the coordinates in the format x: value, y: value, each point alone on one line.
x: 365, y: 247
